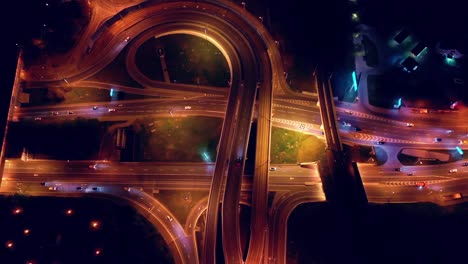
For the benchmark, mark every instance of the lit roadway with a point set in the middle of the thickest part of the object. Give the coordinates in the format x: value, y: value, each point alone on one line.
x: 251, y: 54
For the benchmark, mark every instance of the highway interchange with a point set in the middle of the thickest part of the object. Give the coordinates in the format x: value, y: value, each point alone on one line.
x: 255, y: 66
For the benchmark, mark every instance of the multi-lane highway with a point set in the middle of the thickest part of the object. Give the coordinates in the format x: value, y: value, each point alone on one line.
x: 256, y: 68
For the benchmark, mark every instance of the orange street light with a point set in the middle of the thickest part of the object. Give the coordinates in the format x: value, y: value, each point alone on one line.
x: 95, y: 224
x: 9, y: 244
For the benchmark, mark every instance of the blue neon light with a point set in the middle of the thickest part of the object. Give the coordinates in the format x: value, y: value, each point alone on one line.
x: 111, y: 92
x: 459, y: 150
x: 206, y: 157
x: 354, y: 80
x: 399, y: 102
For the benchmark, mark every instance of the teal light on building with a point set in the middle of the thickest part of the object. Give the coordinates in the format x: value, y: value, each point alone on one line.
x: 354, y: 81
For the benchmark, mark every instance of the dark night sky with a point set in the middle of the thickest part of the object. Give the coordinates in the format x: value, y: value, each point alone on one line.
x: 11, y: 31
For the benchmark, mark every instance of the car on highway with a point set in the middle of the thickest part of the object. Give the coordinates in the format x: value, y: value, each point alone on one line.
x: 272, y: 168
x: 95, y: 188
x: 453, y: 170
x: 169, y: 218
x: 454, y: 196
x: 437, y: 139
x: 95, y: 107
x: 397, y: 169
x: 71, y: 112
x: 55, y: 113
x: 410, y: 173
x: 92, y: 166
x: 127, y: 39
x: 111, y: 110
x: 161, y: 52
x: 380, y: 142
x: 421, y: 184
x: 238, y: 161
x: 357, y: 129
x: 409, y: 124
x: 188, y: 107
x: 465, y: 164
x: 38, y: 118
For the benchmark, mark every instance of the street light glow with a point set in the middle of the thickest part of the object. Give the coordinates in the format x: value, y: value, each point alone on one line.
x: 95, y: 224
x: 9, y: 244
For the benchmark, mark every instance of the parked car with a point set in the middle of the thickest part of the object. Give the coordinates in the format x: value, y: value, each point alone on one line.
x: 272, y: 168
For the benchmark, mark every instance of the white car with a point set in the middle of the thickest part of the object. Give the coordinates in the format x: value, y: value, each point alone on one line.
x: 272, y: 168
x: 453, y: 170
x: 409, y: 124
x: 111, y: 110
x: 188, y: 107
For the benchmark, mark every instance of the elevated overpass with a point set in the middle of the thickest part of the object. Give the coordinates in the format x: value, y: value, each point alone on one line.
x: 341, y: 180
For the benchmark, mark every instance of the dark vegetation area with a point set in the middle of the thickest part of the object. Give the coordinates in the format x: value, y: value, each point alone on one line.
x: 54, y: 236
x: 77, y: 139
x: 378, y: 233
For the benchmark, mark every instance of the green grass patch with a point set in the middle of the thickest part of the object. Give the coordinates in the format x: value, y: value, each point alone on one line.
x: 289, y: 146
x: 194, y: 60
x: 116, y: 72
x: 180, y: 202
x: 184, y: 139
